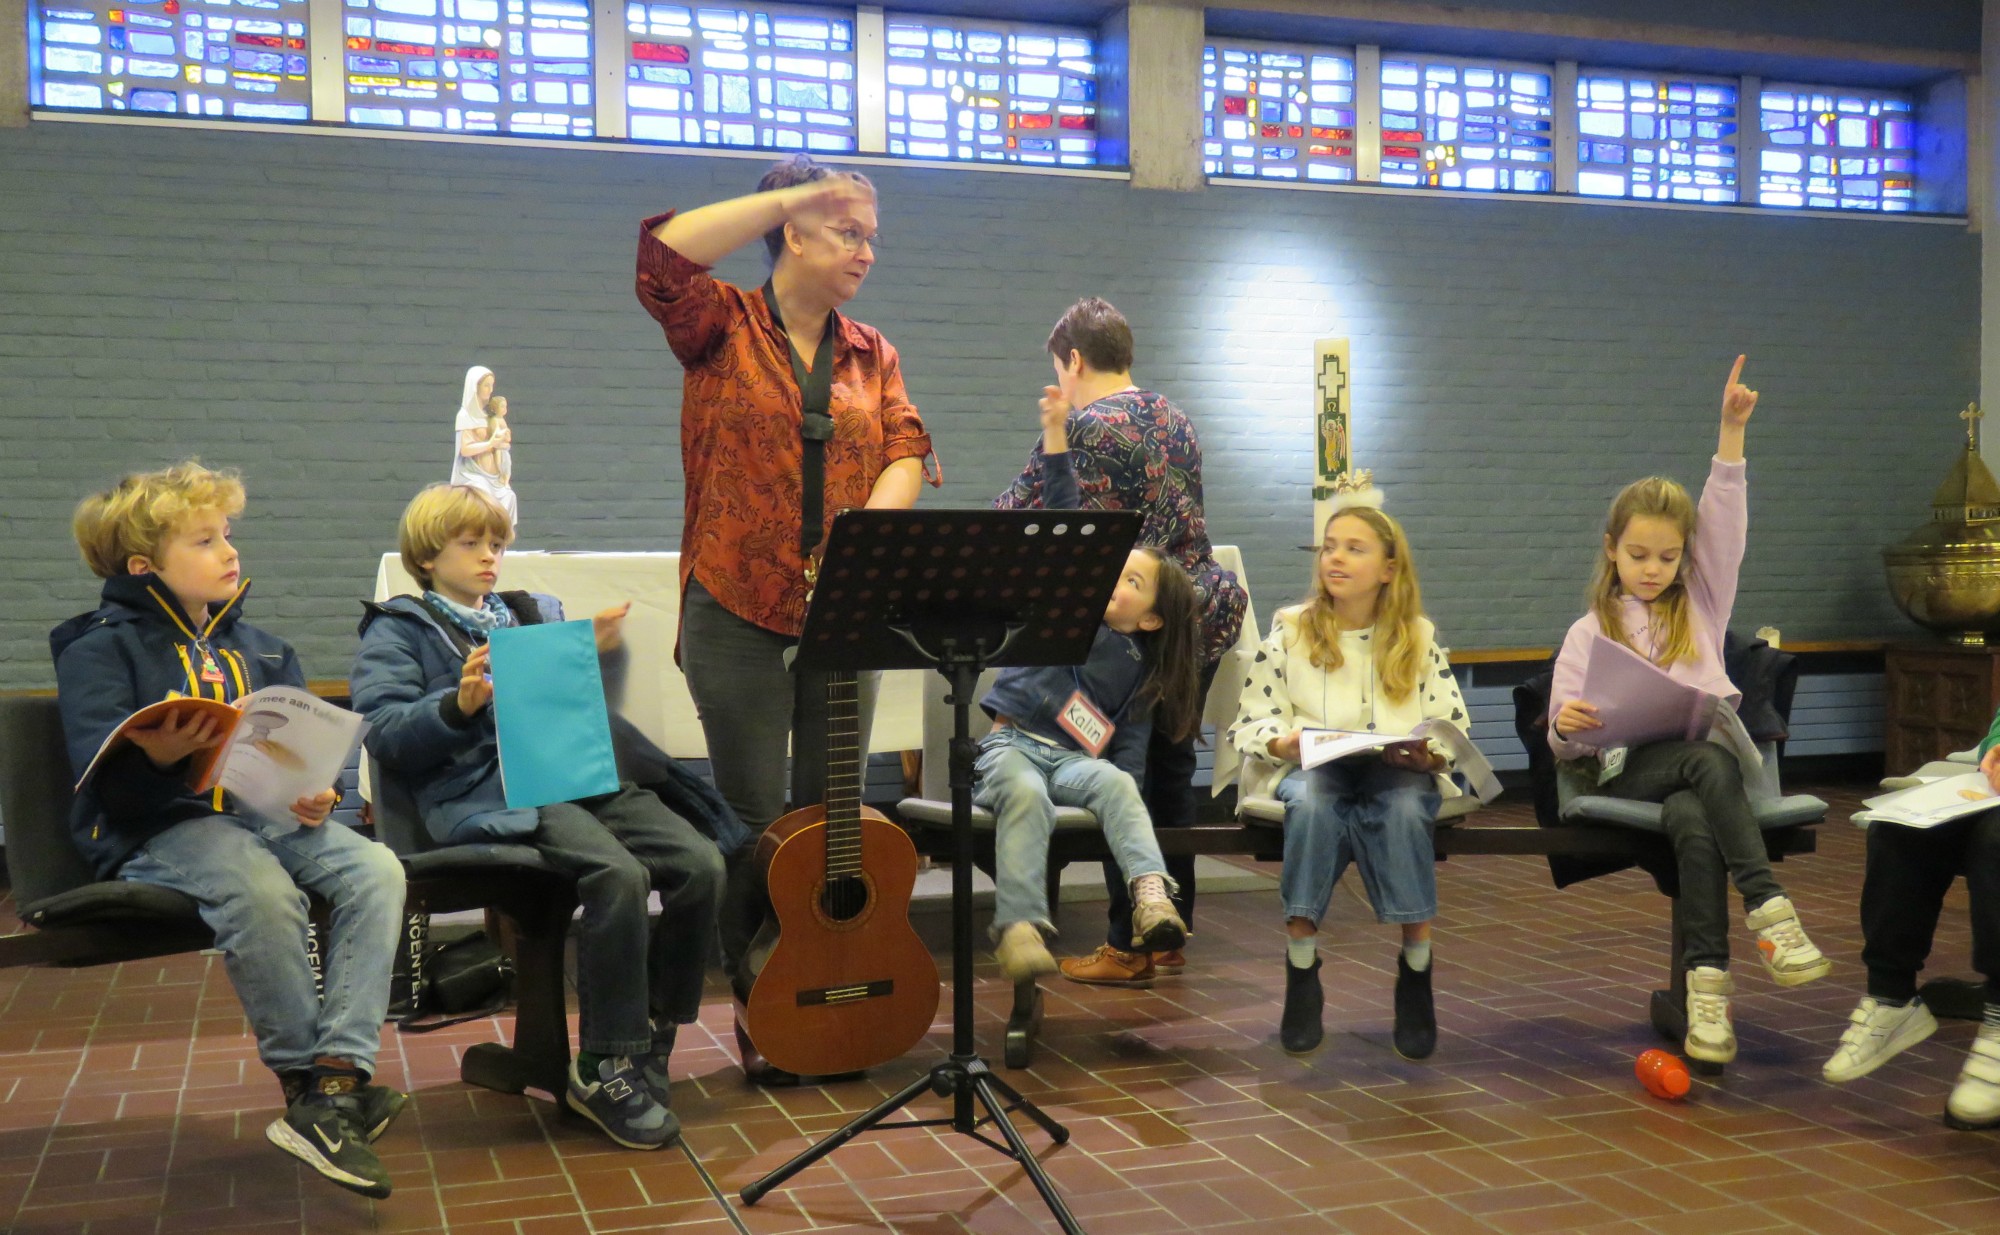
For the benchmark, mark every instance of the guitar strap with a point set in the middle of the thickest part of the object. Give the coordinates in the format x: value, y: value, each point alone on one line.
x: 815, y: 425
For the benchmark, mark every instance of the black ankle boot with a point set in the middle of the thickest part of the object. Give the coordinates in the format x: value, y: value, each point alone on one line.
x: 1416, y: 1019
x: 1299, y: 1029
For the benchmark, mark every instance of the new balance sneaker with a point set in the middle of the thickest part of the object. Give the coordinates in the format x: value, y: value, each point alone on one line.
x: 1975, y: 1101
x: 1024, y: 955
x: 1876, y: 1033
x: 653, y: 1064
x: 324, y: 1130
x: 620, y: 1102
x: 1157, y: 926
x: 1110, y: 967
x: 1710, y: 1035
x: 1781, y: 941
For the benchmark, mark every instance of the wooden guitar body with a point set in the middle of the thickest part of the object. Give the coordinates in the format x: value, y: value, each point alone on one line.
x: 849, y: 984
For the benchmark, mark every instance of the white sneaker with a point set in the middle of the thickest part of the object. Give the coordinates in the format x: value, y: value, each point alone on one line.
x: 1710, y: 1037
x: 1788, y: 954
x: 1876, y: 1033
x: 1975, y: 1101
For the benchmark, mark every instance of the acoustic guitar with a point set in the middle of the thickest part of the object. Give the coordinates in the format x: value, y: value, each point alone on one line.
x: 848, y: 984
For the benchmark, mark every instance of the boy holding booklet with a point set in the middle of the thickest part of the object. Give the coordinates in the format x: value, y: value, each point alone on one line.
x: 1909, y: 871
x: 422, y: 679
x: 171, y: 625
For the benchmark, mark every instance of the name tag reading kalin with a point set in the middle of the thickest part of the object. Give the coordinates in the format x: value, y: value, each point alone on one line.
x: 1081, y: 720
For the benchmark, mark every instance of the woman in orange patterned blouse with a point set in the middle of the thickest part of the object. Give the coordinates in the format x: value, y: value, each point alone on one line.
x: 743, y: 590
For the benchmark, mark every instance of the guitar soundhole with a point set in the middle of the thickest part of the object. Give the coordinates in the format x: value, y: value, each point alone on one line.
x: 844, y: 897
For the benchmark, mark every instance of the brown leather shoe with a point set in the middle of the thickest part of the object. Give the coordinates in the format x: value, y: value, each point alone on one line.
x: 1109, y: 967
x: 1168, y: 964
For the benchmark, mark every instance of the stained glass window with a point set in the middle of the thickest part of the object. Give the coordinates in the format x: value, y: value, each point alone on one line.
x: 172, y: 57
x: 1662, y: 137
x: 990, y: 90
x: 472, y: 66
x: 1462, y: 124
x: 1837, y: 149
x: 1277, y: 113
x: 769, y: 76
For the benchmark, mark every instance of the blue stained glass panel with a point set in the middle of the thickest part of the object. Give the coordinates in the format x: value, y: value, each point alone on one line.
x: 772, y: 96
x: 485, y: 66
x: 1667, y: 154
x: 1873, y: 131
x: 199, y: 58
x: 1467, y: 125
x: 995, y: 91
x: 1297, y: 101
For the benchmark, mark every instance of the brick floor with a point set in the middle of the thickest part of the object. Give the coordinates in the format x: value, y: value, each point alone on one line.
x: 131, y: 1100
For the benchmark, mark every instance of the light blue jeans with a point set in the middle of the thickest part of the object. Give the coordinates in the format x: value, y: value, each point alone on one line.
x: 1022, y: 781
x: 250, y: 878
x: 1366, y: 812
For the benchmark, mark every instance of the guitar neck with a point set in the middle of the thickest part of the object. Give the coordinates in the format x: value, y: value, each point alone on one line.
x: 843, y: 775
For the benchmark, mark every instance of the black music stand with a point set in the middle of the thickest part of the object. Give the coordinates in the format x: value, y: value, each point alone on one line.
x: 961, y: 591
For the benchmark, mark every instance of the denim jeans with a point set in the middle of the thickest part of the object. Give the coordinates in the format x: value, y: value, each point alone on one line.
x: 1716, y: 841
x: 250, y: 878
x: 631, y: 974
x: 1022, y: 781
x: 1366, y: 812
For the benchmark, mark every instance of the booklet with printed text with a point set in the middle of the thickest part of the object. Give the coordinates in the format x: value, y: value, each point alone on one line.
x: 274, y: 746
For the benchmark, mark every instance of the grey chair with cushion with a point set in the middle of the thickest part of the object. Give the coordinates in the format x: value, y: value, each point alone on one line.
x: 537, y: 903
x: 79, y: 919
x: 1767, y: 678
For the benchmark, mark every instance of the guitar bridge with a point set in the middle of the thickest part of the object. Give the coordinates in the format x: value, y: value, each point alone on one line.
x: 829, y: 995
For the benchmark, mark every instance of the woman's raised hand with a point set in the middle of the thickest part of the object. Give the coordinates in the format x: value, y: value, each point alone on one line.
x: 831, y: 197
x: 1738, y: 400
x: 608, y: 627
x: 1055, y: 421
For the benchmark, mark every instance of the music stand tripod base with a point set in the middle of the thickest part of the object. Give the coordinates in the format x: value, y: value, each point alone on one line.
x: 961, y: 591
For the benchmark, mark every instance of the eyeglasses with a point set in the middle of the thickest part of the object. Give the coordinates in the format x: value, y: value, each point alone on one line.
x: 852, y: 238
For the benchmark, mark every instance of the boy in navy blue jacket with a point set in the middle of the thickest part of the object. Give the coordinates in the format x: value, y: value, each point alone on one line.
x: 422, y: 680
x: 171, y: 624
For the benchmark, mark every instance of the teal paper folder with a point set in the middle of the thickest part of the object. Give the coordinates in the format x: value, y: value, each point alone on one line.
x: 548, y: 705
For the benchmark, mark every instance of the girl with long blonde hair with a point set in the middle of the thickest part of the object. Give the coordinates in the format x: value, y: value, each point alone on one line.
x: 1356, y: 654
x: 1664, y: 586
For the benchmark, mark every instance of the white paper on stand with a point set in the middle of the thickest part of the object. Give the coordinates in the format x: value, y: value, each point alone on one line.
x: 1932, y: 803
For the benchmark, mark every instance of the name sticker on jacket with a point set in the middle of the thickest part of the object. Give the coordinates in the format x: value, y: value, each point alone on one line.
x: 1081, y: 720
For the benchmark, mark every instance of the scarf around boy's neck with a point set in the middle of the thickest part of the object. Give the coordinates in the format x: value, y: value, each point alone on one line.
x: 491, y: 615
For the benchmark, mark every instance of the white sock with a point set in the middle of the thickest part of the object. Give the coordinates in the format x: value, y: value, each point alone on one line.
x: 1300, y: 953
x: 1149, y: 888
x: 1417, y: 955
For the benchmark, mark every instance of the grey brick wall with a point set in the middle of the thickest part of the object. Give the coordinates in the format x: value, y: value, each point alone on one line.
x: 303, y: 308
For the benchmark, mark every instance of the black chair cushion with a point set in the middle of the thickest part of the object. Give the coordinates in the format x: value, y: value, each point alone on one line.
x: 113, y: 902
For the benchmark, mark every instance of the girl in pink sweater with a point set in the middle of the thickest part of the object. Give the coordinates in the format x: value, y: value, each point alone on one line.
x: 1664, y: 587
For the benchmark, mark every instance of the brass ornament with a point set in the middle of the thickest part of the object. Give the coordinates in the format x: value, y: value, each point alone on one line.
x: 1945, y: 576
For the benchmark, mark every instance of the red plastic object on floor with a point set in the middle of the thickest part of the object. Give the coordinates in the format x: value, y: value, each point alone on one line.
x: 1663, y: 1074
